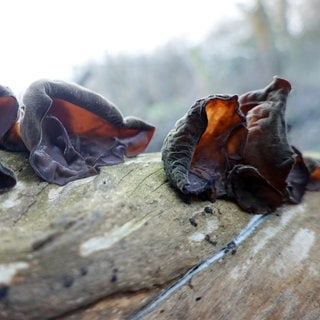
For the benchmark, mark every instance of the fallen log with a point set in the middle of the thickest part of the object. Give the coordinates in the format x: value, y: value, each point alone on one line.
x: 105, y: 247
x: 122, y: 231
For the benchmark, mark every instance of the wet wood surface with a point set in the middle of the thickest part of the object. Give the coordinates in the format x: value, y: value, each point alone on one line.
x: 106, y: 247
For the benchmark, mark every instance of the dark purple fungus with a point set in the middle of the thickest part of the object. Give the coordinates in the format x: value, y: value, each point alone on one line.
x: 252, y: 191
x: 223, y: 147
x: 9, y: 126
x: 7, y: 178
x: 298, y: 178
x: 195, y: 153
x: 71, y: 131
x: 9, y: 136
x: 313, y: 166
x: 267, y: 146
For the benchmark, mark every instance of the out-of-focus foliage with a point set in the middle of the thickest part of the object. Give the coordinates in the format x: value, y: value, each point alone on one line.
x: 271, y: 38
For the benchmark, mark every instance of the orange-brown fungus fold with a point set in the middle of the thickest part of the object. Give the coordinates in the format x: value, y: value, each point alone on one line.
x: 71, y: 131
x: 238, y: 148
x: 210, y: 161
x: 313, y: 167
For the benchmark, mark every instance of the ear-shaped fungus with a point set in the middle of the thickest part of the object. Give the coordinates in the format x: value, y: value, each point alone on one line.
x: 9, y: 109
x: 239, y: 150
x: 195, y: 152
x: 267, y: 150
x: 252, y: 191
x: 10, y: 138
x: 7, y: 178
x: 298, y: 178
x: 313, y: 166
x: 267, y: 146
x: 71, y: 131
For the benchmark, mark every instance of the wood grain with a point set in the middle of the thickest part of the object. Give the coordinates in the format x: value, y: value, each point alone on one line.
x: 122, y: 233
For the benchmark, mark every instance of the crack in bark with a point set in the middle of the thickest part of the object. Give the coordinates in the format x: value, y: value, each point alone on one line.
x: 127, y: 294
x: 186, y: 278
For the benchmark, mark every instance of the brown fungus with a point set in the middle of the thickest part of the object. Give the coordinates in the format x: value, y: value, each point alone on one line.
x: 267, y: 146
x: 297, y: 180
x: 9, y: 138
x: 9, y: 126
x: 7, y: 178
x: 223, y: 147
x: 313, y: 167
x: 252, y: 191
x: 195, y: 153
x: 71, y: 131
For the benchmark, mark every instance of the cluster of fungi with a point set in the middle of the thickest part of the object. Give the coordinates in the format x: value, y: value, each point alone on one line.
x: 226, y: 146
x: 67, y: 130
x: 237, y: 148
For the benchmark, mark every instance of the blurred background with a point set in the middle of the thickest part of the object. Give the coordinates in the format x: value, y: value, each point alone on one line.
x: 154, y: 59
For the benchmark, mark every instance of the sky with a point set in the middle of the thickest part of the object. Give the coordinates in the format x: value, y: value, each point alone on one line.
x: 48, y: 39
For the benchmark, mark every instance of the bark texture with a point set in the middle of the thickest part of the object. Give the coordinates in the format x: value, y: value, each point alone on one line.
x: 105, y: 246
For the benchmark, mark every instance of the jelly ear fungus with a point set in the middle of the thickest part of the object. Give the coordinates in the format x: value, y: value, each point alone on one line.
x: 71, y: 131
x: 9, y: 136
x: 230, y: 147
x: 195, y: 153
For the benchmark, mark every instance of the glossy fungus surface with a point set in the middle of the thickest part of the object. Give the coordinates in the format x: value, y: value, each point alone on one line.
x: 230, y: 147
x: 71, y: 131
